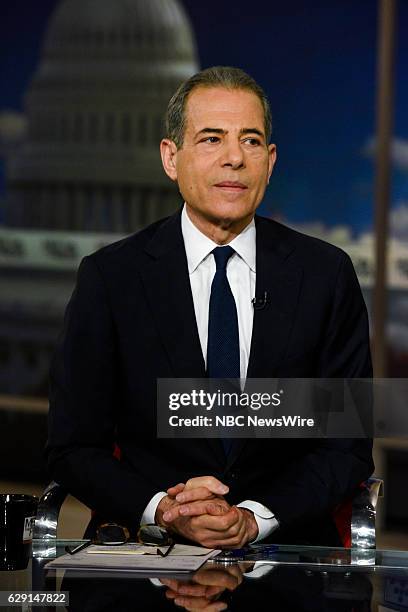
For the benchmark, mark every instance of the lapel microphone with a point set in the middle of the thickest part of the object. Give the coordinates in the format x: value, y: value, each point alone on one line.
x: 259, y: 303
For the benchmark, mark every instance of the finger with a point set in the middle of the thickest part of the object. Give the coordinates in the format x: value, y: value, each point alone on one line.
x: 194, y: 509
x: 203, y: 537
x: 220, y: 523
x: 193, y: 590
x: 237, y: 541
x: 198, y: 493
x: 213, y: 592
x: 236, y: 571
x: 169, y: 582
x: 197, y: 508
x: 182, y: 588
x: 217, y: 606
x: 235, y: 536
x: 219, y: 579
x: 199, y: 603
x: 213, y: 484
x: 173, y: 491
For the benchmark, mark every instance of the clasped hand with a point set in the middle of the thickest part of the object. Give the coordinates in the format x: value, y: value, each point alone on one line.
x: 198, y: 511
x: 205, y: 588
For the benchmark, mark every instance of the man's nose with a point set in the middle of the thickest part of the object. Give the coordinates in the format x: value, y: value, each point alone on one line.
x: 232, y: 155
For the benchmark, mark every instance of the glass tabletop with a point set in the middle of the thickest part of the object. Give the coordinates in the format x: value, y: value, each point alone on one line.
x: 276, y: 554
x: 275, y: 576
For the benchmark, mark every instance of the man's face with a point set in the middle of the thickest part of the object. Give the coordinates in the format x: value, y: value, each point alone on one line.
x: 224, y: 164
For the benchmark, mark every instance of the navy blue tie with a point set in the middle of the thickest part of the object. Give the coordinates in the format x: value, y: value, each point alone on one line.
x: 223, y: 335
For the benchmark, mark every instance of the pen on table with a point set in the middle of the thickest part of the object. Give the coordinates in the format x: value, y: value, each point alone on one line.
x: 72, y: 551
x: 168, y: 551
x: 243, y: 554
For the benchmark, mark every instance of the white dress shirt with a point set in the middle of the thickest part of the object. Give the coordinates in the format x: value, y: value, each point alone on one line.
x: 241, y: 274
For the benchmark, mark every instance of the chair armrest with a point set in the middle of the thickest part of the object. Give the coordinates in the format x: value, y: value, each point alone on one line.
x: 364, y: 506
x: 46, y: 522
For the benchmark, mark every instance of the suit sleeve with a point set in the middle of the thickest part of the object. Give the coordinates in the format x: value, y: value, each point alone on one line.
x: 333, y: 470
x: 84, y: 397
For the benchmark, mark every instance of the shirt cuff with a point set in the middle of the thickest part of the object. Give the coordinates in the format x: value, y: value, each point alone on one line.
x: 260, y: 570
x: 149, y: 513
x: 156, y: 582
x: 265, y: 519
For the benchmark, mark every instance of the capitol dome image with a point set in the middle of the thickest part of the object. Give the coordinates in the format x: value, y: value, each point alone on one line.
x: 90, y: 161
x: 83, y: 166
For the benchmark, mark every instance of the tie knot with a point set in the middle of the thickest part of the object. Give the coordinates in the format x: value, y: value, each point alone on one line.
x: 222, y: 255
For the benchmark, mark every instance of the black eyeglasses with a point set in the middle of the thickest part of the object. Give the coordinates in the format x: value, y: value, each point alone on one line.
x: 111, y: 534
x: 108, y: 534
x: 153, y: 535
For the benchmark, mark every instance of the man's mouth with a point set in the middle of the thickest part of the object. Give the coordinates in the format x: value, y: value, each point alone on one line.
x: 231, y: 186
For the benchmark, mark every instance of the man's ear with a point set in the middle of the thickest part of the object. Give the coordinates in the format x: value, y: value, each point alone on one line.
x: 272, y: 159
x: 168, y: 152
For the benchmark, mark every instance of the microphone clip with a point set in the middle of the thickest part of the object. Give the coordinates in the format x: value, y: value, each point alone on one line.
x: 259, y: 303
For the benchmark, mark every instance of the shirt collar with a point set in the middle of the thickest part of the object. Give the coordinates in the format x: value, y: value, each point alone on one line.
x: 198, y: 246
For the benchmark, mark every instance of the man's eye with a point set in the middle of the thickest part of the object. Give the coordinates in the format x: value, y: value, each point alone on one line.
x: 252, y: 141
x: 211, y: 139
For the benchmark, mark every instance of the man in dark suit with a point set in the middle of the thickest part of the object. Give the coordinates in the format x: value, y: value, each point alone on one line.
x: 175, y: 300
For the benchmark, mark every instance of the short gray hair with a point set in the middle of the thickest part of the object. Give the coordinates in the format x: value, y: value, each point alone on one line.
x: 216, y: 76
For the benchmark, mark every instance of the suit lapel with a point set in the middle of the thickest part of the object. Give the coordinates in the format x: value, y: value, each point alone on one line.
x: 166, y: 281
x: 167, y: 284
x: 280, y: 278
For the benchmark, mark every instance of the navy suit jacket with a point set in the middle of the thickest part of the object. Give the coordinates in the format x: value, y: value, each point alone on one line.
x: 131, y: 320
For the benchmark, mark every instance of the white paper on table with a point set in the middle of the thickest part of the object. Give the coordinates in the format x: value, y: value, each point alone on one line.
x: 82, y: 560
x: 185, y: 550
